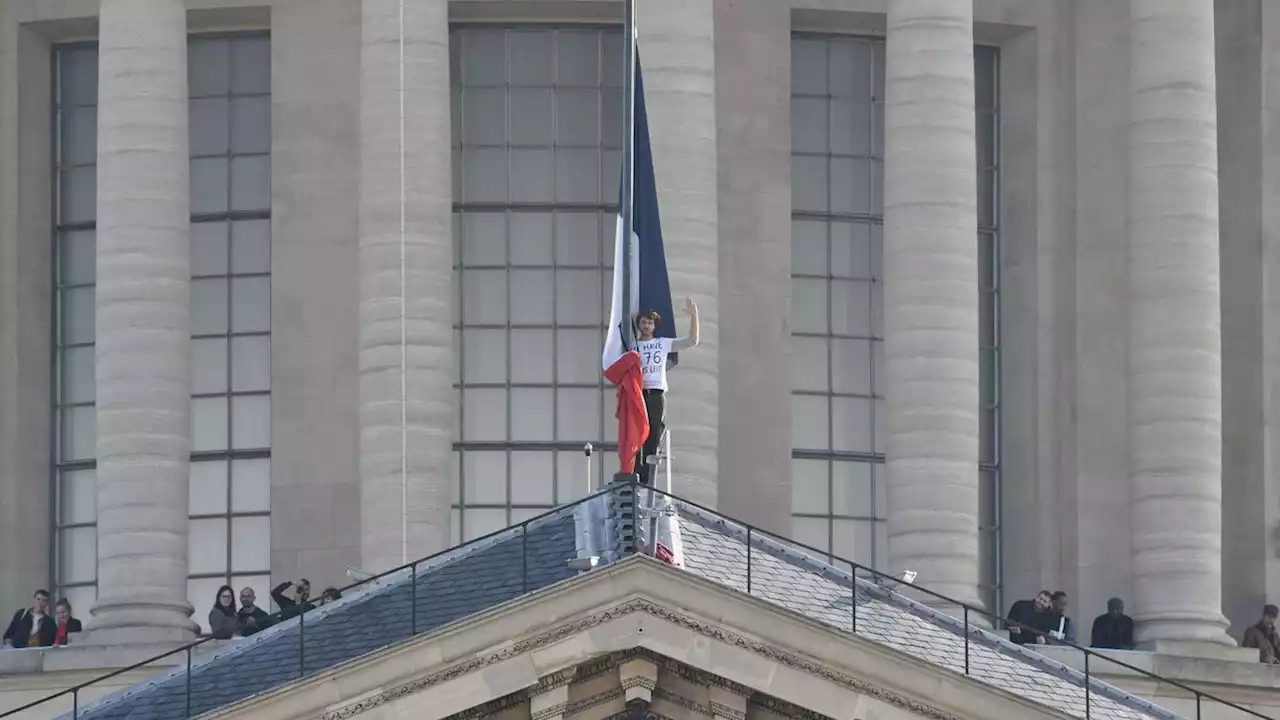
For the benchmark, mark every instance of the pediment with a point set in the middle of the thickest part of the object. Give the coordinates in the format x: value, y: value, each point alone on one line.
x: 579, y: 650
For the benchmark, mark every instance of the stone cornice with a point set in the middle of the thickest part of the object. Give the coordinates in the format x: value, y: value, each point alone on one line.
x: 625, y: 609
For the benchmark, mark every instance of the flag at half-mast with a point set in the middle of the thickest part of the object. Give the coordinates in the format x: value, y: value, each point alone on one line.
x: 650, y: 288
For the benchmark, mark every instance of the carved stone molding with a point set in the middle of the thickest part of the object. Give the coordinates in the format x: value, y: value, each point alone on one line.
x: 549, y: 699
x: 625, y: 609
x: 719, y: 710
x: 638, y: 709
x: 598, y: 699
x: 639, y: 678
x: 493, y: 707
x: 682, y: 702
x: 786, y: 709
x: 555, y: 680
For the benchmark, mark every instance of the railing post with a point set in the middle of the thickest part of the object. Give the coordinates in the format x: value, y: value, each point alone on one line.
x: 524, y: 558
x: 966, y: 639
x: 302, y: 645
x: 413, y: 601
x: 75, y: 704
x: 1198, y: 696
x: 188, y: 681
x: 1087, y: 689
x: 748, y: 559
x: 853, y: 599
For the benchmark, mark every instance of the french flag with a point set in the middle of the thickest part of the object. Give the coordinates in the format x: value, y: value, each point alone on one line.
x: 650, y: 288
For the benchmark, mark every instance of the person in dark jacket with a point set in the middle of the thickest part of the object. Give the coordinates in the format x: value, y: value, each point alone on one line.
x: 32, y: 627
x: 65, y: 622
x: 1114, y: 630
x: 289, y: 607
x: 1263, y: 636
x: 252, y: 619
x: 1060, y: 623
x: 223, y: 623
x: 1030, y: 620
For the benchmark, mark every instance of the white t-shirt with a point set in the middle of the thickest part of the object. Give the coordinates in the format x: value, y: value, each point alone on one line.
x: 653, y: 359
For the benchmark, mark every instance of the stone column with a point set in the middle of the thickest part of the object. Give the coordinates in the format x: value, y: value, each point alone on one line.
x: 26, y: 312
x: 143, y: 333
x: 931, y: 295
x: 1175, y: 342
x: 677, y: 48
x: 406, y: 281
x: 753, y: 170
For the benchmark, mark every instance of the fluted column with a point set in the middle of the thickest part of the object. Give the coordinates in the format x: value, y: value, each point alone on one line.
x: 931, y: 295
x: 143, y: 333
x: 1175, y: 344
x: 677, y: 48
x: 406, y: 260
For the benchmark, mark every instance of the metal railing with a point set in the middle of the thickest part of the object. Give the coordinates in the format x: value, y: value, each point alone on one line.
x: 419, y: 604
x: 757, y: 541
x: 759, y: 544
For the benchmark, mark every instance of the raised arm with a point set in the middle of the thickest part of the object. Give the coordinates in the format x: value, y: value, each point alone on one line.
x: 684, y: 343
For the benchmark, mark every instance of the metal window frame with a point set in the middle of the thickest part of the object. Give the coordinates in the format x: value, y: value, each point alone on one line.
x: 57, y: 465
x: 554, y: 208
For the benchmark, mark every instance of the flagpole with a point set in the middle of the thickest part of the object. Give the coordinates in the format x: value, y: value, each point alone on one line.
x: 628, y: 165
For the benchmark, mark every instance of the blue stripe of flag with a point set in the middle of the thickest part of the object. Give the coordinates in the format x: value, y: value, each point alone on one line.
x: 655, y: 287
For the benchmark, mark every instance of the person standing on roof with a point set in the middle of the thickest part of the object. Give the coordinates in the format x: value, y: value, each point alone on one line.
x: 1263, y: 636
x: 653, y: 362
x: 1030, y: 620
x: 1114, y: 630
x: 299, y: 603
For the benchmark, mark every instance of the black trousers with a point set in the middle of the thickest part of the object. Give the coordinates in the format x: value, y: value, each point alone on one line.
x: 655, y: 405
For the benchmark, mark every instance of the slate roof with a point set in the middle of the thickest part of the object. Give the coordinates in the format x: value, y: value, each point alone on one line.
x: 481, y: 575
x: 463, y: 582
x: 715, y: 548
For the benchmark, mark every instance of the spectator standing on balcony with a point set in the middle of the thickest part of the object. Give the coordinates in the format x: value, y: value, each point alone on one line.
x: 1029, y: 620
x: 1114, y: 630
x: 1263, y: 637
x: 65, y: 622
x: 251, y: 618
x: 1061, y: 624
x: 296, y: 605
x: 32, y: 627
x: 223, y: 623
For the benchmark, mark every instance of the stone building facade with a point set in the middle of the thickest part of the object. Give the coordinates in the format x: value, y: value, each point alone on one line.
x: 983, y: 288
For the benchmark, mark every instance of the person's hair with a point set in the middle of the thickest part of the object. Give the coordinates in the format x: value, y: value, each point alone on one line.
x: 41, y: 593
x: 331, y: 593
x: 63, y: 602
x: 1115, y: 602
x: 652, y: 315
x: 1057, y: 595
x: 1046, y: 593
x: 304, y: 581
x: 1270, y: 611
x: 217, y: 600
